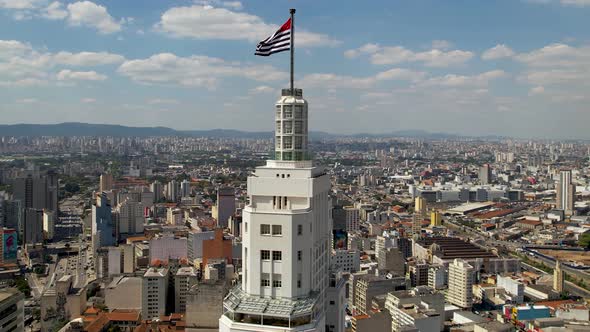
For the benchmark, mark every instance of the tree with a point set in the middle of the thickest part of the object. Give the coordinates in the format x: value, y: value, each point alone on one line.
x: 584, y: 240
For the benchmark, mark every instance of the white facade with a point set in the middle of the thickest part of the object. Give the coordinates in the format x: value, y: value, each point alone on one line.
x: 168, y: 247
x: 154, y: 292
x: 347, y: 260
x: 461, y: 276
x: 286, y: 236
x: 130, y: 218
x: 48, y: 224
x: 185, y: 278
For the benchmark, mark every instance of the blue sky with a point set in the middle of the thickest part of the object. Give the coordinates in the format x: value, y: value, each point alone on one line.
x: 514, y: 67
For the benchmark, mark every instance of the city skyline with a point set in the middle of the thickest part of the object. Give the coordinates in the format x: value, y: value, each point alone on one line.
x: 461, y: 68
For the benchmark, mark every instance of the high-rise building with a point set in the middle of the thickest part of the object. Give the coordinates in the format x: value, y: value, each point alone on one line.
x: 156, y: 188
x: 33, y: 226
x: 12, y: 310
x: 36, y: 192
x: 49, y: 224
x: 154, y: 292
x: 172, y: 191
x: 226, y: 205
x: 485, y: 174
x: 286, y: 237
x: 565, y: 192
x: 186, y: 277
x: 419, y: 214
x: 461, y: 278
x: 185, y: 189
x: 106, y: 182
x: 129, y: 218
x: 558, y: 277
x: 102, y: 223
x: 352, y: 217
x: 435, y: 218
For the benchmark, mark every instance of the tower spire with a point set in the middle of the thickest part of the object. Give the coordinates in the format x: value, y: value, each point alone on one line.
x: 292, y: 11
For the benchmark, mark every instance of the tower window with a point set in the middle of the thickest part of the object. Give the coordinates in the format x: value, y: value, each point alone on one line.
x: 278, y: 127
x: 264, y: 229
x: 265, y: 255
x: 299, y: 280
x: 298, y: 127
x: 299, y: 255
x: 288, y: 143
x: 278, y: 112
x: 265, y: 280
x: 299, y: 229
x: 298, y: 112
x: 277, y: 255
x: 288, y: 112
x: 288, y: 127
x: 276, y: 280
x: 298, y: 142
x: 277, y: 230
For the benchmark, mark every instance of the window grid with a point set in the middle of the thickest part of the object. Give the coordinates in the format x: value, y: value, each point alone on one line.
x: 265, y: 255
x: 277, y: 255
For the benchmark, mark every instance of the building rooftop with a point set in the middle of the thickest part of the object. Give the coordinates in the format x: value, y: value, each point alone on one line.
x: 451, y: 248
x: 240, y: 302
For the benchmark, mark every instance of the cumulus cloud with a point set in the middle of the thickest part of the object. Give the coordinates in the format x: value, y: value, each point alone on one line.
x: 163, y: 101
x: 536, y: 90
x: 351, y: 82
x: 87, y: 58
x: 66, y: 75
x: 208, y: 22
x: 452, y: 80
x: 55, y: 11
x: 87, y: 13
x: 262, y: 89
x: 383, y: 55
x: 80, y: 13
x: 497, y: 52
x: 88, y: 100
x: 196, y: 70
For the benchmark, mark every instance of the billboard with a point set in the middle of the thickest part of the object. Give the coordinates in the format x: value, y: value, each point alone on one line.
x: 340, y: 239
x: 9, y: 244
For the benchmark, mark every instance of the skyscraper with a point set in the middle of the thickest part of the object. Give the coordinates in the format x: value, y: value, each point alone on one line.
x: 185, y: 188
x: 106, y: 182
x: 172, y: 191
x: 558, y: 277
x: 33, y: 226
x: 485, y: 174
x: 419, y: 214
x: 102, y: 223
x: 565, y: 192
x: 37, y: 192
x: 129, y: 218
x: 461, y: 276
x: 286, y: 237
x: 226, y: 205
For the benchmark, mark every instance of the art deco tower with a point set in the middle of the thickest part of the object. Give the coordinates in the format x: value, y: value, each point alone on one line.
x: 286, y: 235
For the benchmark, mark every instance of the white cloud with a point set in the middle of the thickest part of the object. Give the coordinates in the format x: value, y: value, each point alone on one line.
x: 452, y: 80
x: 208, y: 22
x: 27, y: 101
x: 9, y: 48
x: 88, y: 100
x: 577, y: 3
x: 20, y: 4
x: 162, y: 101
x: 441, y: 44
x: 497, y: 52
x: 536, y: 90
x: 196, y: 70
x: 262, y: 89
x: 87, y: 58
x: 233, y: 4
x: 86, y: 13
x: 322, y: 80
x: 55, y: 11
x: 554, y: 55
x: 381, y: 55
x: 67, y: 74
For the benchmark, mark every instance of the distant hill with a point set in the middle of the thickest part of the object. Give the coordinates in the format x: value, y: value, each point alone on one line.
x: 87, y: 129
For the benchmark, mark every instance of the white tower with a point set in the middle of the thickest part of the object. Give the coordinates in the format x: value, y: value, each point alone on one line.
x: 286, y: 238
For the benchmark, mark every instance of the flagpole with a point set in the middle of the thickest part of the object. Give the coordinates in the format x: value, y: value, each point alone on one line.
x: 292, y: 11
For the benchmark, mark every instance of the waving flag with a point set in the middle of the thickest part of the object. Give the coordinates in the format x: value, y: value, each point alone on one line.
x: 278, y: 42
